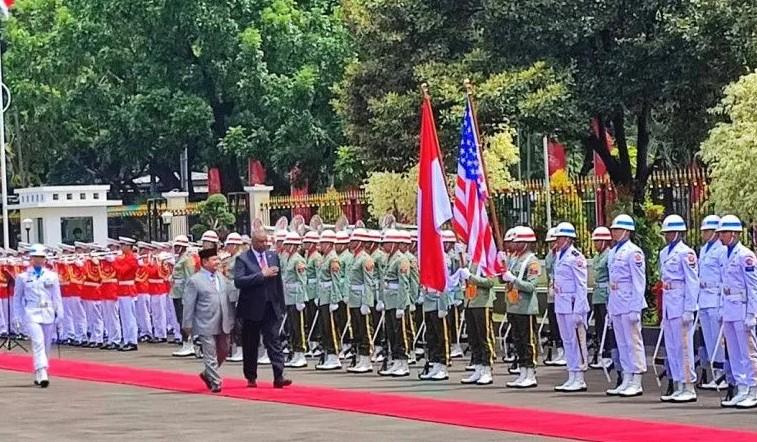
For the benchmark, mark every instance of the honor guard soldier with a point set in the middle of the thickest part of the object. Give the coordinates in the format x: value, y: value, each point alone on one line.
x: 4, y: 299
x: 126, y: 270
x: 313, y: 260
x: 344, y: 247
x: 38, y: 304
x: 361, y: 301
x: 523, y: 305
x: 710, y: 286
x: 91, y: 298
x: 739, y: 312
x: 556, y: 352
x: 379, y: 258
x: 295, y: 297
x: 157, y: 290
x: 628, y: 281
x: 233, y: 248
x: 182, y: 271
x: 329, y: 296
x: 395, y: 300
x: 416, y: 300
x: 571, y: 305
x: 142, y: 286
x: 109, y: 293
x: 78, y: 315
x: 680, y: 281
x: 456, y: 298
x: 602, y: 238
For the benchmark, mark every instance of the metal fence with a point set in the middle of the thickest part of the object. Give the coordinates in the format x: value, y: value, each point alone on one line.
x: 330, y: 205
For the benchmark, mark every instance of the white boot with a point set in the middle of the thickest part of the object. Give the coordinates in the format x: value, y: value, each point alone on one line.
x: 486, y: 376
x: 578, y: 383
x: 331, y: 363
x: 377, y: 356
x: 560, y: 359
x: 713, y: 384
x: 298, y: 361
x: 634, y: 388
x: 391, y: 369
x: 751, y: 399
x: 474, y: 377
x: 403, y: 370
x: 363, y: 365
x: 263, y: 358
x: 519, y: 380
x: 237, y: 356
x: 676, y: 391
x: 441, y: 373
x: 431, y: 372
x: 687, y: 394
x: 471, y: 367
x: 530, y: 380
x: 571, y: 379
x: 623, y: 385
x: 741, y: 393
x: 187, y: 349
x: 457, y: 351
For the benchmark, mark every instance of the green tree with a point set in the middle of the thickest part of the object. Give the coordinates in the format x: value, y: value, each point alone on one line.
x: 214, y: 215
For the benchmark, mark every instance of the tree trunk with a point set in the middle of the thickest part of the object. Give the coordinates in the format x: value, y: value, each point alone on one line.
x: 642, y: 146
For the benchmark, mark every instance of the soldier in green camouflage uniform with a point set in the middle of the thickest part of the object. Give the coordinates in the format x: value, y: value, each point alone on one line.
x: 380, y: 259
x: 312, y: 265
x: 329, y: 296
x: 480, y: 326
x: 523, y: 305
x: 416, y: 301
x: 232, y: 249
x: 602, y: 239
x: 182, y: 271
x: 295, y: 298
x: 342, y: 314
x: 361, y: 301
x: 396, y: 301
x: 454, y: 292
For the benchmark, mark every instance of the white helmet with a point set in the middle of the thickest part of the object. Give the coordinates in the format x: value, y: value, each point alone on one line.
x: 710, y: 222
x: 565, y: 230
x: 393, y: 236
x: 509, y: 234
x: 311, y: 237
x: 524, y: 234
x: 550, y: 234
x: 233, y: 238
x: 406, y: 236
x: 181, y: 241
x: 361, y: 235
x: 210, y: 236
x: 624, y: 222
x: 448, y: 236
x: 38, y: 250
x: 280, y: 235
x: 342, y: 237
x: 328, y: 236
x: 292, y: 239
x: 673, y: 223
x: 730, y: 223
x: 601, y: 233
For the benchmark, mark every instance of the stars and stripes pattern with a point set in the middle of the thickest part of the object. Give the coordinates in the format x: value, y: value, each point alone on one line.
x: 471, y: 222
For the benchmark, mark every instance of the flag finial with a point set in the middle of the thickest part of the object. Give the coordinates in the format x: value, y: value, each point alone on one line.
x: 424, y: 89
x: 468, y: 86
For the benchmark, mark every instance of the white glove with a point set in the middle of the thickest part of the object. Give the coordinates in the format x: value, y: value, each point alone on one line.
x: 16, y: 324
x: 502, y: 256
x: 441, y: 314
x: 458, y: 302
x: 579, y: 320
x: 508, y: 276
x: 750, y: 321
x: 420, y: 300
x: 412, y: 308
x: 464, y: 274
x: 399, y: 314
x: 300, y: 307
x: 635, y: 317
x: 110, y: 258
x: 687, y: 318
x: 333, y: 307
x: 459, y: 248
x: 365, y: 310
x: 380, y: 306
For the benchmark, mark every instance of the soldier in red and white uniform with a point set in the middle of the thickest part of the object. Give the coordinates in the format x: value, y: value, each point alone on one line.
x: 142, y: 285
x: 4, y: 299
x: 109, y: 292
x: 92, y: 303
x: 157, y: 290
x: 126, y: 269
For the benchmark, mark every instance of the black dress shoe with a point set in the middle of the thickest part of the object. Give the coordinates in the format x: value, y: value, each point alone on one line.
x: 44, y: 384
x: 281, y: 383
x: 215, y: 389
x: 207, y: 381
x: 252, y: 384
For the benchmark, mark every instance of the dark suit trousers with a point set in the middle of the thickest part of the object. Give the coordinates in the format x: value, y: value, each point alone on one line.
x: 268, y: 327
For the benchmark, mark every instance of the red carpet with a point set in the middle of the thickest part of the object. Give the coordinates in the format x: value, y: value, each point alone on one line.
x: 460, y: 413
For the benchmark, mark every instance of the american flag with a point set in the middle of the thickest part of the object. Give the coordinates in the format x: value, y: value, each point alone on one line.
x: 470, y: 221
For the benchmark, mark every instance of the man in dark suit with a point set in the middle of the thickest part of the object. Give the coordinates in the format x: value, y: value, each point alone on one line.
x: 260, y: 307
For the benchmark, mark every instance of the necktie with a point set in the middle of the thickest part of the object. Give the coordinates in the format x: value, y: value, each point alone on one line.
x: 261, y: 260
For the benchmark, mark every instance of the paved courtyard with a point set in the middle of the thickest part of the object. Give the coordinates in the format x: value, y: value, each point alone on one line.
x: 77, y: 410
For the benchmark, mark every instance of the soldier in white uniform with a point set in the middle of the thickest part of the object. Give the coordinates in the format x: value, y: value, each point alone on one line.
x: 680, y: 285
x: 37, y: 301
x: 710, y: 285
x: 571, y: 305
x: 628, y: 282
x: 739, y: 312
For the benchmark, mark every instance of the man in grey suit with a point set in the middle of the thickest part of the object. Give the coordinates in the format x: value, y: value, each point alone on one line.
x: 209, y: 313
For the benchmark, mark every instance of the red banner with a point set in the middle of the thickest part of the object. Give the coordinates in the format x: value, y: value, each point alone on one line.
x: 255, y: 172
x: 557, y: 158
x: 214, y: 181
x: 600, y: 169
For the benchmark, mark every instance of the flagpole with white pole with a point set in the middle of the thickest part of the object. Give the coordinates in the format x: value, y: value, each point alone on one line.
x: 546, y: 182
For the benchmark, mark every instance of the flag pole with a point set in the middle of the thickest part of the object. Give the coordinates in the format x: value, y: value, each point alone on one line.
x: 492, y: 209
x: 546, y: 182
x: 3, y: 171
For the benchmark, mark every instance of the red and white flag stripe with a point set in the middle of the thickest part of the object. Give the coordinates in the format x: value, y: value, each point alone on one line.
x: 5, y: 6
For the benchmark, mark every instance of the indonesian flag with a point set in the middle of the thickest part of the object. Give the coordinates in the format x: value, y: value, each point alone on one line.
x: 5, y: 5
x: 434, y: 207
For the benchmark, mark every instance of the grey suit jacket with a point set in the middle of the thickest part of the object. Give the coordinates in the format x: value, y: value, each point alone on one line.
x: 207, y: 310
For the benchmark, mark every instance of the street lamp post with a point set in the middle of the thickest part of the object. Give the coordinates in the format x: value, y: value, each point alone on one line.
x: 167, y: 217
x: 27, y: 223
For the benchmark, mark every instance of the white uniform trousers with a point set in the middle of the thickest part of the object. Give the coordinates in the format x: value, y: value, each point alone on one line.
x: 742, y: 352
x: 4, y: 321
x: 42, y: 337
x: 111, y: 321
x: 679, y: 350
x: 709, y: 319
x: 142, y: 310
x: 158, y: 309
x: 79, y: 318
x: 630, y: 344
x: 94, y: 320
x: 126, y: 308
x: 172, y: 323
x: 68, y: 319
x: 14, y: 328
x: 573, y: 341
